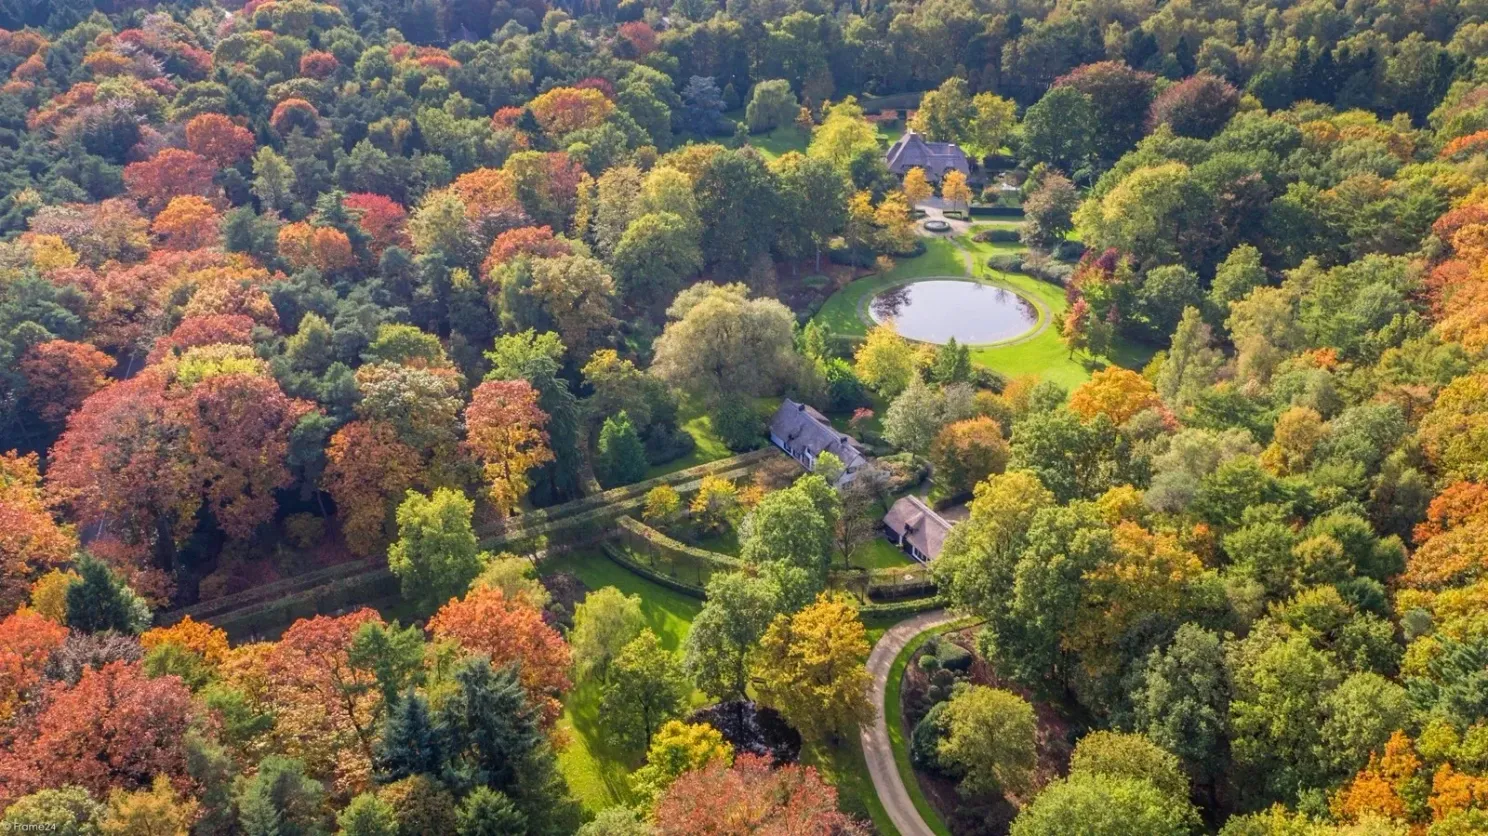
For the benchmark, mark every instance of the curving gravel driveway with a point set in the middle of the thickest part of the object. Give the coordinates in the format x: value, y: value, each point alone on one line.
x: 876, y: 749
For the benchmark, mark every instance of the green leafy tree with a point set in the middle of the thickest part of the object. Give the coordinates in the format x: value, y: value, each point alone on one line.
x: 1129, y: 756
x: 367, y: 815
x: 1106, y: 805
x: 280, y: 800
x: 67, y: 811
x: 1060, y: 130
x: 646, y: 688
x: 788, y: 527
x: 990, y: 736
x: 1183, y: 702
x: 622, y: 456
x: 437, y: 554
x: 100, y: 601
x: 603, y: 624
x: 488, y: 812
x: 735, y: 614
x: 771, y: 105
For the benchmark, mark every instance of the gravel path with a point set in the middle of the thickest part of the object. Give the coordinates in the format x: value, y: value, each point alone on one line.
x: 887, y: 782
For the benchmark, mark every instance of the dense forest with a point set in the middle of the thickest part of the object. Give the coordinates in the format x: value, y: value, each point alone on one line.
x: 303, y: 289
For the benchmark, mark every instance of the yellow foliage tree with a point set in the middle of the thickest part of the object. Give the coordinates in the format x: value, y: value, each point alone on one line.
x: 812, y: 668
x: 208, y: 642
x: 49, y: 594
x: 916, y: 187
x: 885, y: 361
x: 953, y: 188
x: 158, y: 811
x: 1116, y: 393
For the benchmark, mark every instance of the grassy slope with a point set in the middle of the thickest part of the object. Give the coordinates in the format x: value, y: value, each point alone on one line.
x: 599, y: 775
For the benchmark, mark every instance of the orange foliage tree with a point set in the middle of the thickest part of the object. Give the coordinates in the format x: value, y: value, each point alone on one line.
x: 325, y: 708
x: 209, y: 329
x: 26, y: 642
x: 218, y: 138
x: 170, y: 173
x: 505, y: 431
x: 188, y: 222
x: 294, y: 113
x: 369, y: 470
x: 537, y: 241
x: 60, y: 375
x: 31, y: 541
x: 752, y: 796
x: 510, y: 630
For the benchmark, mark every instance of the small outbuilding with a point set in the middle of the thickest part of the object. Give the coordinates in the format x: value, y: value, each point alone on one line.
x: 915, y: 527
x: 912, y: 150
x: 804, y: 433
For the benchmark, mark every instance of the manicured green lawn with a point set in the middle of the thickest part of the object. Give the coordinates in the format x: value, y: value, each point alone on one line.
x: 597, y: 772
x: 881, y: 554
x: 843, y: 766
x: 1043, y: 354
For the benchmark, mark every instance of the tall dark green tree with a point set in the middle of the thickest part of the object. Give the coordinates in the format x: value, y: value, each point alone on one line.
x: 622, y: 456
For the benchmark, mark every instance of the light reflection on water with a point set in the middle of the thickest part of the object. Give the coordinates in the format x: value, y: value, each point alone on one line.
x: 935, y: 310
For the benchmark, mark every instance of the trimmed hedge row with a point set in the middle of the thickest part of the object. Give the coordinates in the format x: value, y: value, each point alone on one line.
x: 274, y: 617
x: 996, y: 211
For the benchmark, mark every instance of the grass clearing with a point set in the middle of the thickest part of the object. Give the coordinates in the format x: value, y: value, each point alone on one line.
x: 597, y: 772
x: 844, y: 767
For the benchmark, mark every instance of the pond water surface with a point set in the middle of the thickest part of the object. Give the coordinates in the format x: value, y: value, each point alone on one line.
x: 936, y: 310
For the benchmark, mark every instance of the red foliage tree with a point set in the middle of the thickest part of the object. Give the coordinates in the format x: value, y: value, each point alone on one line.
x: 26, y: 642
x: 60, y: 375
x: 294, y: 113
x: 509, y: 630
x: 125, y: 461
x: 535, y: 241
x: 317, y: 64
x: 382, y: 218
x: 116, y: 729
x: 239, y: 427
x: 170, y: 173
x: 209, y: 329
x: 218, y: 138
x: 1197, y: 106
x: 638, y: 38
x: 751, y: 799
x: 324, y: 706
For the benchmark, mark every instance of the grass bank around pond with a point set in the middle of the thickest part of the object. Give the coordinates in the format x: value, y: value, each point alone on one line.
x: 599, y: 775
x: 1039, y: 352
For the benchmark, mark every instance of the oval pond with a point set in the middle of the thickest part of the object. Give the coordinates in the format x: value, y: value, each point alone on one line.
x: 936, y: 310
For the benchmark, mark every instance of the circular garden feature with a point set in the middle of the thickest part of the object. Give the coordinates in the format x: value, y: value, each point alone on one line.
x: 936, y: 225
x: 937, y: 309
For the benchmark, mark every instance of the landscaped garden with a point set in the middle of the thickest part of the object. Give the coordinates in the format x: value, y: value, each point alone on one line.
x: 1039, y: 350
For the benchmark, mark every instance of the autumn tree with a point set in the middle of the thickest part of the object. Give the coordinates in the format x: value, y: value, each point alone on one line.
x: 382, y: 219
x: 159, y: 811
x: 505, y: 429
x: 1116, y: 393
x: 29, y: 640
x: 916, y: 188
x: 114, y: 729
x: 218, y: 139
x: 966, y: 452
x: 32, y: 542
x: 752, y: 796
x: 885, y: 361
x: 436, y: 555
x: 811, y: 667
x: 676, y: 749
x: 170, y: 173
x: 507, y: 631
x: 60, y: 375
x: 954, y: 189
x: 188, y: 222
x: 368, y: 470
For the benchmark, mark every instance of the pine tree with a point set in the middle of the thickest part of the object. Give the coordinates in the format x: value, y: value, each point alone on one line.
x: 487, y: 812
x: 622, y: 456
x: 413, y: 741
x: 101, y: 602
x: 952, y: 363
